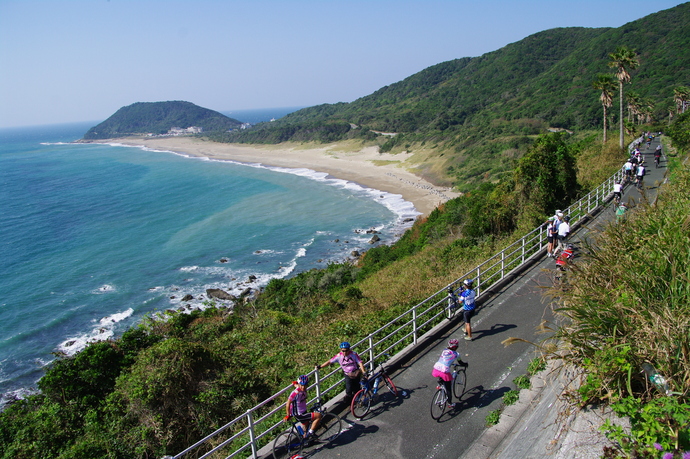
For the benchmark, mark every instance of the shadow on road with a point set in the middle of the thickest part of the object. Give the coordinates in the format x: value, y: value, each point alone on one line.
x: 475, y: 397
x: 494, y: 330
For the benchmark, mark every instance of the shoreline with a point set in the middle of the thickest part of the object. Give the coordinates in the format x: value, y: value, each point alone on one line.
x: 366, y: 167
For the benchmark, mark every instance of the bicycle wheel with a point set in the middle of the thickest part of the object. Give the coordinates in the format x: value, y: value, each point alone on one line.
x: 438, y: 404
x: 329, y: 428
x: 286, y: 445
x: 390, y: 385
x: 460, y: 384
x: 361, y: 403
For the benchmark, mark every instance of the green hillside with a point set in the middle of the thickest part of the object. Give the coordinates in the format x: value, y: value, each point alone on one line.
x: 468, y: 119
x: 159, y: 118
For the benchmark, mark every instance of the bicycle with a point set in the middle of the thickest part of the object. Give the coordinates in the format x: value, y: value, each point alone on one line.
x: 562, y: 262
x: 453, y: 305
x: 368, y: 394
x: 439, y: 402
x: 294, y: 440
x: 656, y: 161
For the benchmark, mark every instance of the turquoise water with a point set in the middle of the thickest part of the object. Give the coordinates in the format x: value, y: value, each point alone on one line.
x: 95, y: 237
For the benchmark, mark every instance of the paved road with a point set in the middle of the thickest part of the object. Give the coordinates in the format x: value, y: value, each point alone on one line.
x: 403, y: 428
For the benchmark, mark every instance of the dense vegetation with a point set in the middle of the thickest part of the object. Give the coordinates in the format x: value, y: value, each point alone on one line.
x: 159, y: 118
x: 466, y: 119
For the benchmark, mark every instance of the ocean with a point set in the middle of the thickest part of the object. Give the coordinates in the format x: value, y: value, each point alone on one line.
x: 96, y: 237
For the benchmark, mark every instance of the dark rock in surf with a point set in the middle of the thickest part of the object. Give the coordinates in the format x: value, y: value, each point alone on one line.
x: 219, y: 294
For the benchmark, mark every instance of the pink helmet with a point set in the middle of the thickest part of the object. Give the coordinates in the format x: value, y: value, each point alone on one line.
x: 453, y: 342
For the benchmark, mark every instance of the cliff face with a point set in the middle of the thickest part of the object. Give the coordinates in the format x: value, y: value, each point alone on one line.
x: 159, y: 118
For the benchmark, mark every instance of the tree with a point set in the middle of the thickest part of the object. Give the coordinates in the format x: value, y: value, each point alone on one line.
x: 681, y: 96
x: 546, y: 176
x: 607, y: 86
x: 633, y: 101
x: 623, y: 60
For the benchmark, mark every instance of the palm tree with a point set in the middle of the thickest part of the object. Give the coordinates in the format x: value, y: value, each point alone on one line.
x: 623, y: 60
x: 606, y: 84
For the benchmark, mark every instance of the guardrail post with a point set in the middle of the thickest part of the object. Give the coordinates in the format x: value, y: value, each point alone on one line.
x: 479, y: 280
x: 414, y: 325
x: 252, y: 435
x: 371, y: 353
x: 503, y: 264
x: 317, y: 383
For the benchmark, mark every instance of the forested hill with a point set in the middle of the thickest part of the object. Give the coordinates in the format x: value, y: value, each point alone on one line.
x: 544, y: 80
x: 159, y: 118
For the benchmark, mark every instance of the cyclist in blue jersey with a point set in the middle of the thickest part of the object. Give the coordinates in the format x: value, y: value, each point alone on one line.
x: 297, y: 406
x: 467, y: 297
x: 442, y: 367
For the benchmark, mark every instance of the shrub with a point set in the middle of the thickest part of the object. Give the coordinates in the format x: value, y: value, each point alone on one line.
x: 511, y: 397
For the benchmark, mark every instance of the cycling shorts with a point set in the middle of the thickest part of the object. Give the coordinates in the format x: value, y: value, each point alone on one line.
x: 306, y: 417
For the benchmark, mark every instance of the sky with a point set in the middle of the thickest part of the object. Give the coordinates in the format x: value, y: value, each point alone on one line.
x: 64, y: 61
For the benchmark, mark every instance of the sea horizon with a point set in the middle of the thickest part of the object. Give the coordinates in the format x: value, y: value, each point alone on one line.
x: 98, y: 237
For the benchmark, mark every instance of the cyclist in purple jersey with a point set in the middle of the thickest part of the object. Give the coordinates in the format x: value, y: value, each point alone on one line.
x: 352, y: 366
x: 297, y: 406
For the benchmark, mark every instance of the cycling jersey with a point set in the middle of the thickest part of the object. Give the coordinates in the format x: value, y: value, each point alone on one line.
x: 444, y: 361
x: 617, y: 187
x: 349, y: 363
x: 298, y: 401
x: 468, y: 297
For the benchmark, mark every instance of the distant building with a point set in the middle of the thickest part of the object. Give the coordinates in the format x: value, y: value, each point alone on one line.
x: 186, y: 131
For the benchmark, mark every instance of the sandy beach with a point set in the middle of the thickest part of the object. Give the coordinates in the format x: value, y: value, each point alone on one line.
x: 368, y: 167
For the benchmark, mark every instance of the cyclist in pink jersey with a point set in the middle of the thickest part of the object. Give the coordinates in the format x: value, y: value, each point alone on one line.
x: 297, y: 406
x: 442, y: 367
x: 352, y: 366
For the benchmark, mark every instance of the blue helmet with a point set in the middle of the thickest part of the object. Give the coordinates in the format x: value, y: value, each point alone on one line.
x: 468, y: 282
x: 344, y: 345
x: 303, y: 380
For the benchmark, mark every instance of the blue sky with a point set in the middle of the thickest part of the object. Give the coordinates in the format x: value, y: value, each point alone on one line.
x: 67, y: 61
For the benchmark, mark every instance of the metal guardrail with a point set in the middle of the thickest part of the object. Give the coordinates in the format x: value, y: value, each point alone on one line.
x: 399, y: 335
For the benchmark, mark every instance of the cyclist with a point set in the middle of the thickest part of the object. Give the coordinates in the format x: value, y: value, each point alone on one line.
x: 640, y: 174
x: 617, y: 191
x: 297, y: 406
x: 467, y: 296
x: 565, y: 256
x: 442, y: 367
x: 657, y: 155
x: 628, y: 167
x: 352, y: 367
x: 549, y: 236
x: 620, y: 212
